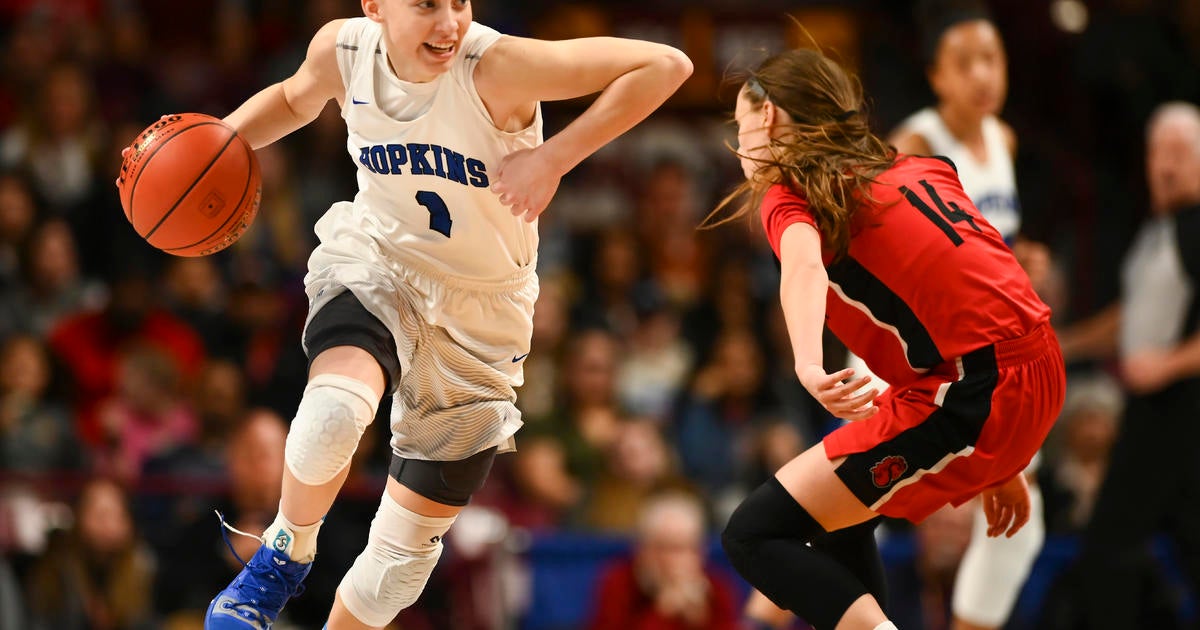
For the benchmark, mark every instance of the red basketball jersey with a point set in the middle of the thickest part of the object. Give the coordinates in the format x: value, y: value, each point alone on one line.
x: 926, y: 278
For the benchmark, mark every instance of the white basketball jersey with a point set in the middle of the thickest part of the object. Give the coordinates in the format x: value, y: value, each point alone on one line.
x: 427, y: 154
x: 991, y: 184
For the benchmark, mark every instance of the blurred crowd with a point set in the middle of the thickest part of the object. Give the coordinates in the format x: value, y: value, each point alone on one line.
x: 139, y: 392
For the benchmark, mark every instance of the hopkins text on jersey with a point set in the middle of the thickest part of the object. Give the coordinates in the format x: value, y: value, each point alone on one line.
x: 424, y: 159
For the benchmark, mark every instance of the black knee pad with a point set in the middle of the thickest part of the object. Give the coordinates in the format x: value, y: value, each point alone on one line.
x: 771, y: 512
x: 449, y: 483
x: 855, y: 548
x: 767, y: 542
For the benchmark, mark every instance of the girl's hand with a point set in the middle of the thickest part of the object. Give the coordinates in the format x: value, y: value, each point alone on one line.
x: 526, y: 182
x: 837, y: 396
x: 1007, y: 506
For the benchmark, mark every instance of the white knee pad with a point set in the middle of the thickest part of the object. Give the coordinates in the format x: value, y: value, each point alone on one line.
x: 993, y: 570
x: 389, y: 575
x: 332, y: 416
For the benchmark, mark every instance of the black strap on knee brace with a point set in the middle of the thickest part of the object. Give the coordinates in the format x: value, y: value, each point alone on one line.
x: 449, y: 483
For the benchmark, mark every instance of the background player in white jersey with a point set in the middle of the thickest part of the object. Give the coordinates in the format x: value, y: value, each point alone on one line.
x: 967, y: 70
x: 423, y: 286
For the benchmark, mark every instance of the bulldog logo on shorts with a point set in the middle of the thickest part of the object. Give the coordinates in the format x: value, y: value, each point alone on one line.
x: 888, y: 470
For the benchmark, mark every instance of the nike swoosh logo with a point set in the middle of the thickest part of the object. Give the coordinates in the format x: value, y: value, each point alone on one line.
x: 516, y: 359
x: 358, y: 102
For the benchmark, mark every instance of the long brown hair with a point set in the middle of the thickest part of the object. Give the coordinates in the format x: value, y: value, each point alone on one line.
x: 828, y: 154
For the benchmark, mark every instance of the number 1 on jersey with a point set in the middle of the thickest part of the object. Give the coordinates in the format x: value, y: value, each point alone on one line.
x: 439, y: 214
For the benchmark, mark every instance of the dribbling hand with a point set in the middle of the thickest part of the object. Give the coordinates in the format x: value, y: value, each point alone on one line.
x: 526, y: 183
x: 836, y: 394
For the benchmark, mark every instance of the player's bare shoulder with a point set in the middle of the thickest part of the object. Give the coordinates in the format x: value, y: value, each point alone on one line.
x: 318, y: 78
x: 510, y: 107
x: 322, y: 50
x: 910, y: 142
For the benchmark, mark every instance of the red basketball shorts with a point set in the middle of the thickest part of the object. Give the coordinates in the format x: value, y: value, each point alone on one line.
x: 971, y: 424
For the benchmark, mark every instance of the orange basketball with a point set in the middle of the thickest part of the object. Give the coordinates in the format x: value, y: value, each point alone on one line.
x: 190, y: 185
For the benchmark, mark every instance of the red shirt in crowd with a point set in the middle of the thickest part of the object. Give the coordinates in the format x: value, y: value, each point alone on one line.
x: 623, y: 604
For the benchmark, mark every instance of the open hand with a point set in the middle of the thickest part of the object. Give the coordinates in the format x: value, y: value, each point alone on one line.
x: 836, y: 393
x: 1006, y: 506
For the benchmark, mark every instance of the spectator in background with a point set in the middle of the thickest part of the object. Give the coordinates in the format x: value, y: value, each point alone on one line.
x: 534, y: 489
x: 264, y: 324
x: 1085, y: 434
x: 148, y: 416
x: 97, y: 575
x: 125, y: 87
x: 195, y: 292
x: 719, y: 413
x: 587, y: 418
x: 201, y: 563
x: 543, y: 374
x: 728, y: 304
x: 615, y: 284
x: 774, y: 443
x: 1154, y: 329
x: 276, y: 250
x: 640, y: 464
x: 668, y: 208
x: 323, y: 176
x: 665, y: 584
x: 218, y: 403
x: 53, y: 286
x: 18, y: 213
x: 36, y: 435
x: 656, y: 360
x: 90, y: 344
x: 58, y: 139
x: 30, y: 49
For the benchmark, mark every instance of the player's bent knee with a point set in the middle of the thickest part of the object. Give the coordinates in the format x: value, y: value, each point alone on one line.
x: 448, y: 483
x: 768, y: 512
x: 389, y: 575
x: 330, y: 420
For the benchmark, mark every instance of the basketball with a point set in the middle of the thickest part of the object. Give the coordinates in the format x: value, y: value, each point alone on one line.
x: 190, y: 185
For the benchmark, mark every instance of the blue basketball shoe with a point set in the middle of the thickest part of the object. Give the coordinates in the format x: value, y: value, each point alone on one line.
x: 256, y: 596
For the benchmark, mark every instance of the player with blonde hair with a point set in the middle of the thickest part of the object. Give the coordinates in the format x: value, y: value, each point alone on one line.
x: 423, y: 286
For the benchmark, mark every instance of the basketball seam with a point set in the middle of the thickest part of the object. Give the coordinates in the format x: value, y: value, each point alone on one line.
x: 133, y: 187
x: 189, y: 188
x: 245, y: 191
